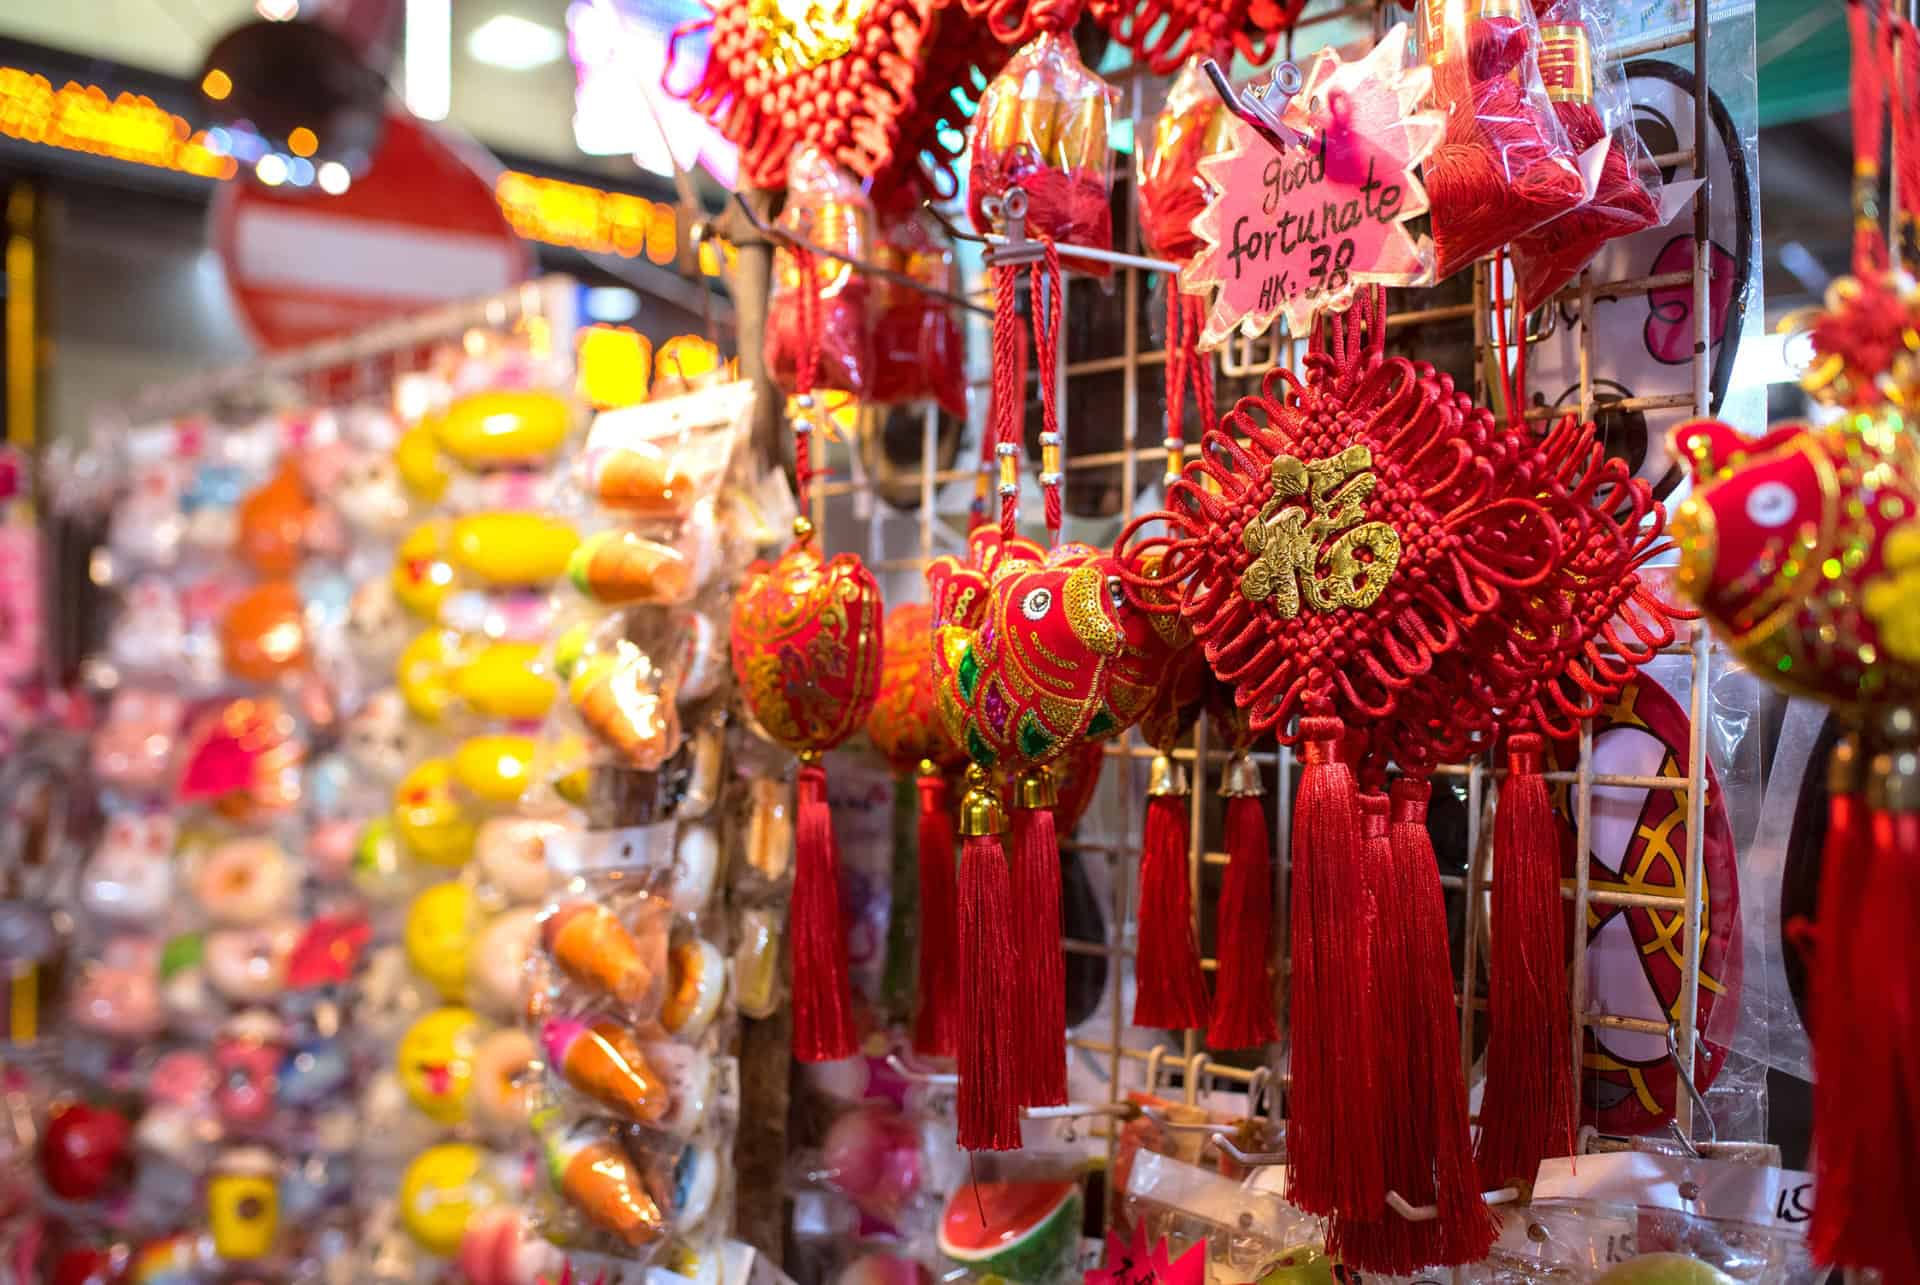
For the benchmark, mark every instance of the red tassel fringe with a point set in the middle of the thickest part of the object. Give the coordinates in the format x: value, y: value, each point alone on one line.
x: 936, y: 1022
x: 1334, y: 1136
x: 1526, y: 1113
x: 823, y: 1029
x: 988, y: 1112
x: 1171, y: 990
x: 1875, y: 1131
x: 1037, y: 1048
x: 1243, y: 991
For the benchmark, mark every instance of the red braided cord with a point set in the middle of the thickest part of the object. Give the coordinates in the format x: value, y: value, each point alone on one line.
x: 1008, y: 392
x: 1176, y: 376
x: 809, y: 304
x: 1866, y: 91
x: 1046, y: 343
x: 1906, y: 128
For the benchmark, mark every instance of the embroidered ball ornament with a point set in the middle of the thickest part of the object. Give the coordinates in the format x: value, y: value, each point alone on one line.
x: 808, y: 640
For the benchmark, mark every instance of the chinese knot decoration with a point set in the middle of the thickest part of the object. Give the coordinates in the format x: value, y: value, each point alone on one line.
x: 1802, y: 548
x: 1361, y: 547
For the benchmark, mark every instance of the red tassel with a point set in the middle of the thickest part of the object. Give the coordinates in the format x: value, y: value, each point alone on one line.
x: 1038, y: 1049
x: 936, y: 1022
x: 823, y: 1028
x: 1435, y: 1089
x: 1243, y: 933
x: 1526, y: 1113
x: 1170, y: 989
x: 1876, y: 1129
x: 988, y: 1113
x: 1334, y: 1136
x: 1838, y: 1139
x: 1377, y: 1239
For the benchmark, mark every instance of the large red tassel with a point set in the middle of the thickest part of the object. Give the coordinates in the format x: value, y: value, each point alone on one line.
x: 1435, y: 1088
x: 987, y: 1111
x: 823, y: 1028
x: 1170, y: 988
x: 1334, y: 1137
x: 1243, y: 933
x: 1038, y: 1049
x: 1838, y: 1140
x: 936, y: 1021
x: 1877, y: 1129
x: 1377, y: 1239
x: 1526, y: 1112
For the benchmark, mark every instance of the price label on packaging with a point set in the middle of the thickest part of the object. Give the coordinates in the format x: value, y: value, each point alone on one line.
x: 1290, y: 232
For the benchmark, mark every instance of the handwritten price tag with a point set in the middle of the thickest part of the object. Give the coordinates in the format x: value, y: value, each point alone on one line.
x: 1293, y: 232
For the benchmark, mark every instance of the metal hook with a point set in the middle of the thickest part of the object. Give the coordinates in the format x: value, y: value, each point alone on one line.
x: 1259, y: 107
x: 1196, y: 1067
x: 1223, y: 1142
x: 1699, y: 1099
x: 1080, y: 1110
x: 919, y: 1075
x: 775, y: 233
x: 1154, y: 1055
x: 1427, y: 1213
x: 1257, y: 1090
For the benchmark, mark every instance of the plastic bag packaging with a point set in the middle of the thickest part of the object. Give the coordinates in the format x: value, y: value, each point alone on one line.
x: 1503, y: 166
x: 1590, y: 99
x: 1018, y: 1216
x: 1192, y: 124
x: 1590, y: 1214
x: 918, y: 352
x: 1042, y: 127
x: 1248, y: 1227
x: 831, y: 314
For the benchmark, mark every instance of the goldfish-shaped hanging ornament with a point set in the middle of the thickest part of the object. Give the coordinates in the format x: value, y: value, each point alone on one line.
x: 808, y: 637
x: 1802, y: 549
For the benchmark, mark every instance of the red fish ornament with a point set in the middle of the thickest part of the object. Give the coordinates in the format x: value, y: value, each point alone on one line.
x: 1802, y: 548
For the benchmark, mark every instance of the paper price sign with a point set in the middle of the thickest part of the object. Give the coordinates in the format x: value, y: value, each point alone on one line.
x: 1293, y: 232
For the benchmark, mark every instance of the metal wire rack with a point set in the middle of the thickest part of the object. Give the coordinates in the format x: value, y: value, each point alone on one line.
x: 849, y: 500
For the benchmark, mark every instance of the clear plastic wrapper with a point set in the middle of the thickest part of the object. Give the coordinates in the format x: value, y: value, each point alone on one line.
x: 1503, y: 166
x: 1248, y: 1228
x: 1017, y: 1217
x: 1191, y: 124
x: 826, y: 207
x: 918, y: 351
x: 1041, y: 127
x: 1590, y: 99
x: 620, y: 690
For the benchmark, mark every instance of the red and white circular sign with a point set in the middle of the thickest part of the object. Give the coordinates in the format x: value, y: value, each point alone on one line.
x: 420, y: 228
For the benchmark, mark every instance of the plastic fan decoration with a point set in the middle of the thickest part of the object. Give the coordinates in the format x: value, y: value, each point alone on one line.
x: 860, y: 80
x: 908, y: 735
x: 1297, y: 231
x: 1041, y: 128
x: 1803, y: 549
x: 808, y: 640
x: 1504, y: 166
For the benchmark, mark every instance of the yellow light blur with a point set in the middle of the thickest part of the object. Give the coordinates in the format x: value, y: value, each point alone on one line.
x: 81, y: 118
x: 303, y: 142
x: 587, y: 218
x: 615, y: 365
x: 216, y: 85
x: 683, y: 357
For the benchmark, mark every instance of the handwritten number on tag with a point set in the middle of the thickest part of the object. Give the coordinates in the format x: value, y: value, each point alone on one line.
x: 1794, y: 1204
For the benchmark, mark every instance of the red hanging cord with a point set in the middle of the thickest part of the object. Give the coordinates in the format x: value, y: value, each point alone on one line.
x: 1045, y: 294
x: 1866, y: 92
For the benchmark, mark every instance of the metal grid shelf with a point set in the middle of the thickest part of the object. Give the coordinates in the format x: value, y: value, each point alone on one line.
x: 940, y: 532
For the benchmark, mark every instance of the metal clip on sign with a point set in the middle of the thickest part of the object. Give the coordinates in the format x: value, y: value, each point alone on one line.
x: 1260, y: 107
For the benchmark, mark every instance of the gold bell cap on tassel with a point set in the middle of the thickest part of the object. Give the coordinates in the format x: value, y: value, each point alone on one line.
x: 1241, y: 780
x: 1843, y: 766
x: 1036, y: 790
x: 1893, y: 778
x: 980, y: 810
x: 1167, y: 776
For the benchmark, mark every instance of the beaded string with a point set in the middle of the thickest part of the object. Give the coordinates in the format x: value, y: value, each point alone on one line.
x: 1046, y: 342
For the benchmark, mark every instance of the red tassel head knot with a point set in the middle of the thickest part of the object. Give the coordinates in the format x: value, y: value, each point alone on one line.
x: 1165, y: 33
x: 902, y: 724
x: 1802, y: 549
x: 807, y: 643
x: 1353, y: 538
